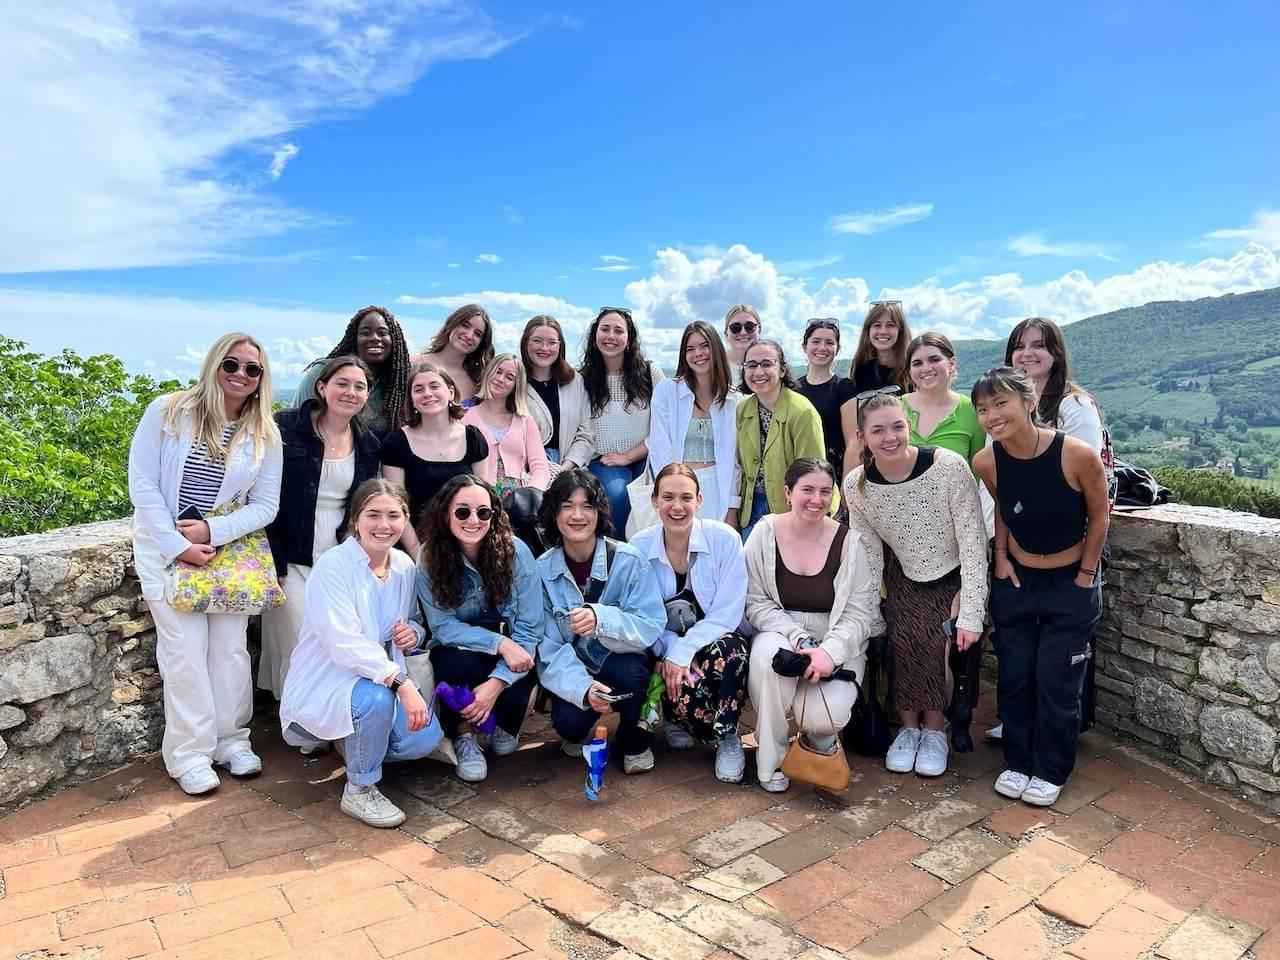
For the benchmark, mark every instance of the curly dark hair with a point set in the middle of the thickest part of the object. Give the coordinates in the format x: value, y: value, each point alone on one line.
x: 561, y: 489
x: 477, y: 359
x: 442, y: 562
x: 395, y: 371
x: 637, y: 377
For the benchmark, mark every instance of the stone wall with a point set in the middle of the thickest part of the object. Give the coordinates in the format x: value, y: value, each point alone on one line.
x: 1188, y: 659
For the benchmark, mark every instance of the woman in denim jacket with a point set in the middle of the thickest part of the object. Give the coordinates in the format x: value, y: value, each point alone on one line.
x: 602, y: 613
x: 480, y: 589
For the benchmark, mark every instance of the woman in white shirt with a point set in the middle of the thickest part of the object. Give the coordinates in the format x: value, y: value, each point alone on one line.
x: 1036, y: 347
x: 347, y: 679
x: 692, y: 421
x: 204, y: 448
x: 702, y: 655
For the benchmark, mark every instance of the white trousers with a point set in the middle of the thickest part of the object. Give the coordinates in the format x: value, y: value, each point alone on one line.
x: 208, y: 691
x: 776, y: 696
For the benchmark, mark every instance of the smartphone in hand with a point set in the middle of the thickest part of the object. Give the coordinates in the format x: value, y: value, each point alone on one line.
x: 191, y: 513
x: 949, y: 628
x: 610, y: 697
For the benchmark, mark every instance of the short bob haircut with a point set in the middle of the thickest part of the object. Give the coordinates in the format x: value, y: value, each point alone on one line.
x: 561, y: 372
x: 561, y: 489
x: 412, y: 417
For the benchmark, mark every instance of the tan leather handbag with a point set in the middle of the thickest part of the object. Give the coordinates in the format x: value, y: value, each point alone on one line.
x: 830, y: 771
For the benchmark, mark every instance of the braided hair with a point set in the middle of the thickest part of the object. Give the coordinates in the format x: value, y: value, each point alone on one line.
x: 395, y: 371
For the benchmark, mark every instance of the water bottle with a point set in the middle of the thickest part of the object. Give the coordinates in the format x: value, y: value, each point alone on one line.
x: 596, y: 753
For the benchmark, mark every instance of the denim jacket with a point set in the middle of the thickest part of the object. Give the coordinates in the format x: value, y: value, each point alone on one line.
x: 629, y: 617
x: 522, y: 610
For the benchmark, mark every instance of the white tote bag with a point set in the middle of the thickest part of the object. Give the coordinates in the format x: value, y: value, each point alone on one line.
x: 640, y: 493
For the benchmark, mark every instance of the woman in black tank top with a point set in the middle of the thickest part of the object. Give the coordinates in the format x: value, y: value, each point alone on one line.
x: 1051, y: 522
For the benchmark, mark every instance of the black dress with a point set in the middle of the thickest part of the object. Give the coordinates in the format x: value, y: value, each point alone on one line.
x: 872, y: 375
x: 424, y: 478
x: 827, y: 398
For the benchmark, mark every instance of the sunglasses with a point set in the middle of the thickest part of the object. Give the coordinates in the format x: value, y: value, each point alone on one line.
x: 884, y: 303
x: 890, y: 391
x: 483, y: 514
x: 251, y: 370
x: 822, y: 323
x: 747, y: 326
x: 622, y: 311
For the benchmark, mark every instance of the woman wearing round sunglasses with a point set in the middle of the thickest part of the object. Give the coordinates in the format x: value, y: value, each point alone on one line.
x: 619, y: 380
x: 776, y: 427
x: 193, y: 451
x: 482, y: 594
x: 822, y: 386
x: 742, y: 328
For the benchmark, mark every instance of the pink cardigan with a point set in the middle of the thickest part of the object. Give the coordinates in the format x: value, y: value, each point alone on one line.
x: 524, y: 458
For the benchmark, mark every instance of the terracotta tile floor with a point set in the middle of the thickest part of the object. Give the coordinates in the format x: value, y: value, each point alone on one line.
x: 1132, y: 863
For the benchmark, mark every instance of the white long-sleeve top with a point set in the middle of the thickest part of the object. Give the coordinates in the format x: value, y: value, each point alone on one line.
x: 669, y: 416
x: 156, y: 458
x: 342, y: 639
x: 1078, y: 417
x: 717, y: 575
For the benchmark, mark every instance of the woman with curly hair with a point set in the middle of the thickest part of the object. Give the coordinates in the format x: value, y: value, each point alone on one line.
x: 619, y: 380
x: 482, y: 594
x: 556, y: 398
x: 373, y: 335
x: 463, y: 346
x: 432, y: 446
x: 516, y: 455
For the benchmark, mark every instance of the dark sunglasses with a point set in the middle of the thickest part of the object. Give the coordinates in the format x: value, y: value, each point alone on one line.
x: 884, y: 303
x: 483, y: 514
x: 251, y: 370
x: 622, y: 311
x: 890, y: 391
x: 749, y: 326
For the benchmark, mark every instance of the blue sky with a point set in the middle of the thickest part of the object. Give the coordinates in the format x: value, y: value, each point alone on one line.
x: 186, y: 169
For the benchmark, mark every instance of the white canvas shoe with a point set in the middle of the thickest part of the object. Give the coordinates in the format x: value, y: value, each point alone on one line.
x: 368, y: 805
x: 1010, y: 784
x: 198, y: 780
x: 1041, y: 793
x: 245, y: 763
x: 778, y: 783
x: 901, y: 757
x: 472, y: 766
x: 931, y: 758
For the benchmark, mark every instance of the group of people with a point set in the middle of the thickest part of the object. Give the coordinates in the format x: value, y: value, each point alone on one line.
x: 788, y: 515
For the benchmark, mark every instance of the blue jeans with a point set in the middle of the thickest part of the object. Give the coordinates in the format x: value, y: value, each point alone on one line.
x: 553, y: 454
x: 615, y: 480
x: 759, y: 508
x: 623, y: 673
x: 381, y: 733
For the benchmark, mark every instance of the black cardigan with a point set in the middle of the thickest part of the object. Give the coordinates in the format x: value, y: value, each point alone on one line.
x: 292, y: 532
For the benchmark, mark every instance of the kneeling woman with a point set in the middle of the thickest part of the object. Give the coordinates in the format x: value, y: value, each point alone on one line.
x: 483, y: 598
x: 810, y: 589
x: 923, y: 503
x: 347, y: 679
x: 1051, y: 522
x: 703, y: 658
x: 602, y: 612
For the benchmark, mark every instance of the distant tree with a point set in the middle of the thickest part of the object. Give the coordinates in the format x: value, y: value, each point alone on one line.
x: 1209, y: 488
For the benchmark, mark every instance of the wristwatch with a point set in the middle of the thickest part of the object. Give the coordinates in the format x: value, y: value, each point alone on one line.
x: 400, y: 680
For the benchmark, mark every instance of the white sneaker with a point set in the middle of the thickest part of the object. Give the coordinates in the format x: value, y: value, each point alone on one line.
x: 503, y: 744
x: 678, y: 738
x: 731, y: 762
x: 778, y: 783
x: 1041, y: 793
x: 368, y: 805
x: 571, y: 749
x: 1010, y: 784
x: 472, y: 767
x: 246, y: 763
x: 638, y: 762
x: 198, y: 780
x: 901, y: 757
x: 996, y: 733
x: 931, y: 757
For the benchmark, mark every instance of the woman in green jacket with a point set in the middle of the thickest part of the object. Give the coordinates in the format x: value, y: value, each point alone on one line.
x: 776, y: 426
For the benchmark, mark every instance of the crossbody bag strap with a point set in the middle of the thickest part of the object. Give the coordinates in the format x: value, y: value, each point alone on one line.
x: 595, y: 588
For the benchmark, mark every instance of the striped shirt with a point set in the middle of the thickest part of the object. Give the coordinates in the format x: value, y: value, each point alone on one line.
x: 202, y: 475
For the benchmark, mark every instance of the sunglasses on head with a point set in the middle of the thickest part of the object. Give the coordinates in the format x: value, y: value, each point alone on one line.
x: 251, y: 370
x: 483, y: 514
x: 744, y: 326
x: 822, y: 323
x: 884, y: 303
x: 621, y: 311
x: 890, y: 391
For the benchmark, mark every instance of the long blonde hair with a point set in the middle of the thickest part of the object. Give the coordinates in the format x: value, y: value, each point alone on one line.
x: 516, y: 401
x: 205, y: 404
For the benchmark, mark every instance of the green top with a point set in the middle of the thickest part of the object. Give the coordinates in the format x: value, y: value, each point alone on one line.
x: 795, y: 431
x: 958, y: 431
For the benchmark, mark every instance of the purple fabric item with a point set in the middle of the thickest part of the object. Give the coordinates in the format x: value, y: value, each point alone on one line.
x: 458, y: 699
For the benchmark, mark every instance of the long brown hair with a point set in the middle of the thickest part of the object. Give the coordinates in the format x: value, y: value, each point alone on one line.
x: 1059, y: 384
x: 474, y: 362
x: 927, y: 339
x: 637, y: 377
x: 719, y: 362
x: 442, y: 560
x: 561, y: 372
x: 411, y: 415
x: 866, y: 352
x: 877, y: 401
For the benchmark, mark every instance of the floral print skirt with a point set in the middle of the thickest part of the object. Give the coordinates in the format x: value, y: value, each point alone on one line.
x: 709, y: 709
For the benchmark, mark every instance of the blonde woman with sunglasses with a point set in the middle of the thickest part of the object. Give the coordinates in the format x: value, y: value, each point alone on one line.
x: 742, y: 328
x: 193, y: 451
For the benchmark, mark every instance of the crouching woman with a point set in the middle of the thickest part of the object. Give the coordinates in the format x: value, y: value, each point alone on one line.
x: 602, y: 612
x: 347, y: 679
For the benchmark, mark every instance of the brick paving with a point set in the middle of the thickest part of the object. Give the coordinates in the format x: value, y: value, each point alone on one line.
x: 1134, y: 861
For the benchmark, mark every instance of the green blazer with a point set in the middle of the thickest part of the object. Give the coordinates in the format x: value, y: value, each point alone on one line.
x: 795, y: 431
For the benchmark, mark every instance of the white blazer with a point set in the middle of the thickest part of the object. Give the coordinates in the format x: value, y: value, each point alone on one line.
x: 670, y: 413
x: 342, y: 641
x: 156, y: 460
x: 575, y: 421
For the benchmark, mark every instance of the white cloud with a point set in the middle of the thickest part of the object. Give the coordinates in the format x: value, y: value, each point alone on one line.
x: 141, y: 122
x: 614, y: 258
x: 877, y: 221
x: 1035, y: 245
x: 613, y: 268
x: 804, y: 266
x: 488, y: 258
x: 513, y: 215
x: 1264, y: 228
x: 280, y: 158
x: 453, y: 266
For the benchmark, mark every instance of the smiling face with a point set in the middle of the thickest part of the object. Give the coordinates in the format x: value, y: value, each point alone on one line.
x: 884, y: 333
x: 1002, y: 414
x: 886, y: 433
x: 748, y: 330
x: 931, y: 368
x: 467, y: 334
x: 762, y: 368
x: 544, y: 348
x: 470, y: 532
x: 345, y: 392
x: 676, y: 498
x: 239, y: 386
x: 503, y: 380
x: 1031, y: 355
x: 380, y: 523
x: 612, y: 336
x: 821, y: 347
x: 697, y: 354
x: 576, y: 519
x: 373, y: 339
x: 430, y: 395
x: 810, y: 497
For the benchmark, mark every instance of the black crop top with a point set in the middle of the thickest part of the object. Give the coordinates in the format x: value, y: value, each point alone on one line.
x: 1043, y: 513
x: 811, y: 594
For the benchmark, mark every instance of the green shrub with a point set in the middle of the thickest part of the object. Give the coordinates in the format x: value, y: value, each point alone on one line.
x: 1208, y: 488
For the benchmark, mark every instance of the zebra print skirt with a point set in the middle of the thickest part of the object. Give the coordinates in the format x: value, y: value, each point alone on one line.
x: 914, y: 613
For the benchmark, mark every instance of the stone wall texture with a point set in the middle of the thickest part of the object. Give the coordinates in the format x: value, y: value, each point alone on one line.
x: 1188, y: 653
